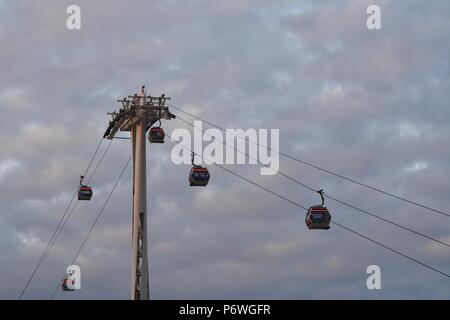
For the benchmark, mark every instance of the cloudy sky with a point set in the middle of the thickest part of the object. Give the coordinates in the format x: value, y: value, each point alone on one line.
x: 369, y: 104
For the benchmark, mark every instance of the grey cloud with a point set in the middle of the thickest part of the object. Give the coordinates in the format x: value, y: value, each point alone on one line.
x: 370, y: 105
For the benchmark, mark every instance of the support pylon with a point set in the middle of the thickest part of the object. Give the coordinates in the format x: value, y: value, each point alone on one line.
x: 136, y: 116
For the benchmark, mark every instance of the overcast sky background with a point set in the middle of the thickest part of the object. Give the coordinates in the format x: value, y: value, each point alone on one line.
x: 371, y: 105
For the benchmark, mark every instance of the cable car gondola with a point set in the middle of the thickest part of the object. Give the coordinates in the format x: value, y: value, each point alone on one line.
x: 318, y: 216
x: 199, y: 176
x: 156, y: 134
x: 67, y: 283
x: 84, y: 192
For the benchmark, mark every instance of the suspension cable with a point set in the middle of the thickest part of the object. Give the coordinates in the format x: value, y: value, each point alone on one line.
x: 335, y: 223
x: 92, y: 159
x: 95, y: 222
x: 326, y: 195
x: 60, y: 225
x: 379, y: 190
x: 76, y: 203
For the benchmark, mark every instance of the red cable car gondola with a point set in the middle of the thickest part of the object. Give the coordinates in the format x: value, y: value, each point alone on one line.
x: 318, y: 216
x: 84, y: 192
x: 199, y: 176
x: 67, y: 283
x: 156, y: 134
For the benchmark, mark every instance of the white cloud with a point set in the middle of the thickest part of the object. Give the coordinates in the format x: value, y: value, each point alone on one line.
x: 416, y: 166
x: 8, y: 166
x: 408, y: 130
